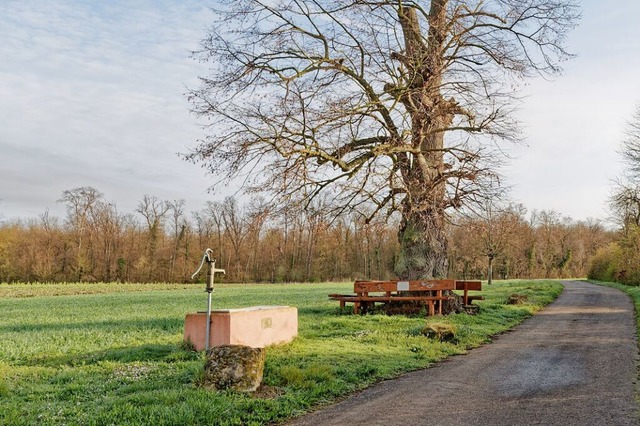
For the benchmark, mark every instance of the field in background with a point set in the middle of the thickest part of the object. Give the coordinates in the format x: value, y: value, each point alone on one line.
x: 113, y: 353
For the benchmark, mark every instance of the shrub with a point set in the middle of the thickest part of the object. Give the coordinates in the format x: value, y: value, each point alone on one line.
x: 607, y: 264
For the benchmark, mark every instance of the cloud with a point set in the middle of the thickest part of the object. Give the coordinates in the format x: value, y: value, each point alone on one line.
x: 574, y: 124
x: 93, y: 95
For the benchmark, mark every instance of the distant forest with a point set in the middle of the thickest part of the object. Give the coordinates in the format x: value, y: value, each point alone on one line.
x: 161, y: 242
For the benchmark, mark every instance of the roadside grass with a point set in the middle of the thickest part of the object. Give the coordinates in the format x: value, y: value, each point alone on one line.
x: 632, y: 291
x: 634, y: 294
x: 114, y: 355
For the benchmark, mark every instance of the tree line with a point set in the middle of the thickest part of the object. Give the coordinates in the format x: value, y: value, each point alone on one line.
x: 161, y: 241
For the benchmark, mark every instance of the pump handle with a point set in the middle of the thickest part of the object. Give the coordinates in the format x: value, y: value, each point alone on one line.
x: 208, y: 256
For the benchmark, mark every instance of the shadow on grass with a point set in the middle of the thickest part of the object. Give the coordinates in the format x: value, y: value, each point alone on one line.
x: 164, y: 324
x: 167, y: 324
x: 317, y: 310
x: 142, y: 353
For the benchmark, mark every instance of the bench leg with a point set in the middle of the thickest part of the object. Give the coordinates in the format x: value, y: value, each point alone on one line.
x: 439, y: 303
x: 342, y: 304
x: 368, y: 307
x: 432, y: 310
x: 356, y: 308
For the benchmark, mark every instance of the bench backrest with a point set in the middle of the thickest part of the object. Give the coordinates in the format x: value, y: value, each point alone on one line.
x: 392, y: 286
x: 469, y: 285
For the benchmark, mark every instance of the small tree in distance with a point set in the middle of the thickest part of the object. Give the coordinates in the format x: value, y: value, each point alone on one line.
x: 392, y: 104
x: 495, y: 224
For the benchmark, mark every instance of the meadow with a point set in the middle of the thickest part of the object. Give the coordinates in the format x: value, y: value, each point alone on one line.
x: 112, y: 354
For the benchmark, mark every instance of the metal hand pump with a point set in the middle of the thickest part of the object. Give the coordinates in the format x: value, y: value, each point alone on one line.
x: 208, y: 257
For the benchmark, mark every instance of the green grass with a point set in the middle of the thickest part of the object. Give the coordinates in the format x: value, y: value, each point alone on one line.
x: 114, y: 354
x: 634, y: 294
x: 632, y: 291
x: 68, y: 289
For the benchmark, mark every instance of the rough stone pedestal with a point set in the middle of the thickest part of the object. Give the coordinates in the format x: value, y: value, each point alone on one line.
x: 234, y: 367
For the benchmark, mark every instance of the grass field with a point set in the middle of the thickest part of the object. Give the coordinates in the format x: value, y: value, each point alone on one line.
x: 108, y: 354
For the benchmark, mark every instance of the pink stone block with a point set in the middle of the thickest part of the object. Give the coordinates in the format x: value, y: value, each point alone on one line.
x: 257, y: 326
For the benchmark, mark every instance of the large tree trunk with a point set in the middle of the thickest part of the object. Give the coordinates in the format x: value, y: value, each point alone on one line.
x: 423, y: 252
x: 423, y: 245
x: 422, y: 235
x: 423, y: 242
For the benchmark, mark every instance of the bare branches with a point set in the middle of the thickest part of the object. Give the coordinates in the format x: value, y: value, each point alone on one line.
x: 630, y: 150
x: 370, y: 100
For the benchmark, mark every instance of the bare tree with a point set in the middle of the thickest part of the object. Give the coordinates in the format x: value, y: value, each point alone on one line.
x: 235, y: 221
x: 154, y: 211
x: 624, y: 202
x: 179, y: 226
x: 204, y: 227
x: 395, y: 104
x: 80, y: 203
x: 496, y: 224
x: 630, y: 151
x: 108, y: 224
x: 257, y: 215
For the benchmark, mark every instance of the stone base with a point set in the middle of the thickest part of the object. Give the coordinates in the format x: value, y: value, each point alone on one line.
x: 517, y: 299
x: 440, y: 332
x: 239, y: 368
x: 257, y: 327
x: 471, y: 309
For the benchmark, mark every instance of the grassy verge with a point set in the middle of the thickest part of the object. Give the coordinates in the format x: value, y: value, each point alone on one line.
x: 115, y: 357
x: 634, y: 293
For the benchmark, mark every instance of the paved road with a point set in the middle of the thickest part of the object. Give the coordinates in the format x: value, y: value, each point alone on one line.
x: 574, y: 363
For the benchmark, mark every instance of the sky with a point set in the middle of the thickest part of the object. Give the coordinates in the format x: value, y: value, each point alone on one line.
x: 92, y: 94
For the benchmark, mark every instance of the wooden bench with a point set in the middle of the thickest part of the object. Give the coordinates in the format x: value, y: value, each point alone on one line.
x: 428, y: 292
x: 368, y: 293
x: 469, y: 285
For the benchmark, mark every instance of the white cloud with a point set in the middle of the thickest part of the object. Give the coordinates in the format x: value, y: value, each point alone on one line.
x: 92, y: 95
x: 575, y: 123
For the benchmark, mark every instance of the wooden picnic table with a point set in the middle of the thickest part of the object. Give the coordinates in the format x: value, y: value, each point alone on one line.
x: 427, y: 292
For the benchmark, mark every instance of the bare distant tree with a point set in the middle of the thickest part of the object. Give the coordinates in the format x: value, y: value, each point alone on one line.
x: 396, y: 104
x: 80, y: 203
x: 631, y: 146
x: 154, y: 211
x: 236, y: 227
x: 625, y: 199
x: 180, y: 227
x: 203, y: 226
x: 109, y: 225
x: 496, y: 223
x: 625, y: 203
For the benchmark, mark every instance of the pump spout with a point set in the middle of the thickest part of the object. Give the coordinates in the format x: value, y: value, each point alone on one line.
x: 212, y: 273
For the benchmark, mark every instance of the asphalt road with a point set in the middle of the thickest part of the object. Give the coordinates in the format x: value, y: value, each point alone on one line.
x: 573, y: 363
